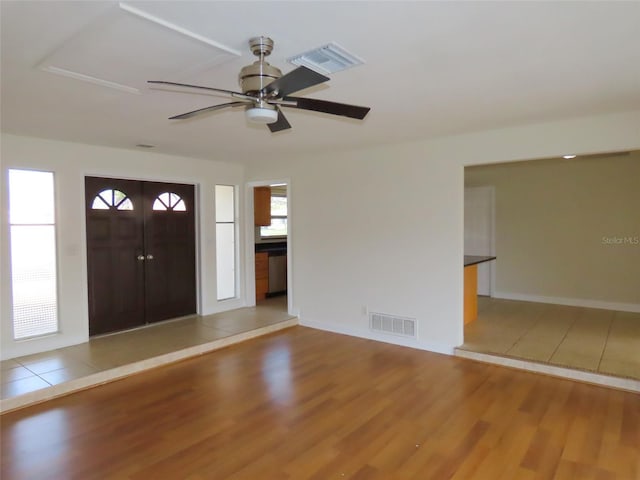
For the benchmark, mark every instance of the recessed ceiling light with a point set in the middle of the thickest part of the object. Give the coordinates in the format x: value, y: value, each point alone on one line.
x: 568, y: 157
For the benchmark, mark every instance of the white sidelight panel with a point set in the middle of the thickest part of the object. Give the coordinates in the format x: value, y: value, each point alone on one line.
x: 225, y: 242
x: 33, y: 253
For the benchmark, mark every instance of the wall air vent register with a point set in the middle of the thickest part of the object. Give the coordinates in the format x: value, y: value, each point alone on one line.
x: 380, y: 322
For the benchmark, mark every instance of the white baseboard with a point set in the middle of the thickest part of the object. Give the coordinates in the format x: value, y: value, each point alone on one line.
x: 571, y: 302
x: 369, y: 335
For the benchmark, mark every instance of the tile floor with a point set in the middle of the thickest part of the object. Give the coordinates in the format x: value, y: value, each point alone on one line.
x: 26, y: 374
x: 602, y: 341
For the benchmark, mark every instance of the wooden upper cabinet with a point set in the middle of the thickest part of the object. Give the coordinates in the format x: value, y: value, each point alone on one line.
x: 262, y: 206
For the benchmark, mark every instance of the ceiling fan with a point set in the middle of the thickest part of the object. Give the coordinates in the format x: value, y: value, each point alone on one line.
x: 265, y: 90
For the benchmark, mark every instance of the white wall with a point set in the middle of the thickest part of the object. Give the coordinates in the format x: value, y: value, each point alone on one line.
x: 383, y: 227
x: 556, y: 225
x: 379, y: 227
x: 70, y: 162
x: 364, y: 241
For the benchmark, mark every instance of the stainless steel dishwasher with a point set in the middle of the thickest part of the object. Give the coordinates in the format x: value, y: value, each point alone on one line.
x: 277, y: 272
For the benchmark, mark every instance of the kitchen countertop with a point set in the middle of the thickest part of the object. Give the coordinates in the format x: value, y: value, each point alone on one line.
x: 272, y: 247
x: 475, y: 259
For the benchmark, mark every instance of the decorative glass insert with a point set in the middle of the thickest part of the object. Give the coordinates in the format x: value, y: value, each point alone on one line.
x: 225, y: 241
x: 109, y: 198
x: 169, y: 201
x: 33, y: 253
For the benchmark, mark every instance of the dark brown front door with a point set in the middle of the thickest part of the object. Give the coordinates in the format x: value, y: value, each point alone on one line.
x: 169, y: 234
x: 140, y: 252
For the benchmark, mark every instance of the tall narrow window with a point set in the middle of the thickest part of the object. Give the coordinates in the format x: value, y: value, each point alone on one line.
x: 226, y: 241
x: 33, y: 253
x: 278, y: 227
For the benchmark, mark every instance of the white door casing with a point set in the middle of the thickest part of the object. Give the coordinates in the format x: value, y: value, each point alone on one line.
x: 479, y: 228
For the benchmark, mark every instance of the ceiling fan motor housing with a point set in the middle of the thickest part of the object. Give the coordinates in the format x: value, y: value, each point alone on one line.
x: 259, y: 74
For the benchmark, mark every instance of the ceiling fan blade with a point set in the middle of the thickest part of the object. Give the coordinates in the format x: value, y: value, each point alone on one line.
x: 219, y: 90
x: 333, y: 108
x: 207, y: 109
x: 298, y: 79
x: 280, y: 124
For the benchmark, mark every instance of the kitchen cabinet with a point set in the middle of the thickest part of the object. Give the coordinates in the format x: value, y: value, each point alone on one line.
x: 471, y: 263
x: 470, y: 293
x: 262, y: 275
x: 277, y: 273
x: 262, y: 206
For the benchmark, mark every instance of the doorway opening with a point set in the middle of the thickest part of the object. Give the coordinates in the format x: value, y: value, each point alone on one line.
x: 479, y: 236
x: 271, y: 241
x: 565, y: 288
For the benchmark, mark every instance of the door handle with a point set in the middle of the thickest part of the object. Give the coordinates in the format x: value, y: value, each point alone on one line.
x: 149, y: 257
x: 140, y: 257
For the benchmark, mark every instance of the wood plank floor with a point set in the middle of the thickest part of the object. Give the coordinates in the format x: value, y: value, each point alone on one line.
x: 306, y: 404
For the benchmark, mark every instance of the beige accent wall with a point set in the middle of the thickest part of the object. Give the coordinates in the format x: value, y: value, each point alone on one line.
x: 567, y: 229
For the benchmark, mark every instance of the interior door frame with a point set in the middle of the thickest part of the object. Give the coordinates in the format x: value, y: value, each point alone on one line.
x: 490, y: 191
x: 197, y: 226
x: 250, y: 257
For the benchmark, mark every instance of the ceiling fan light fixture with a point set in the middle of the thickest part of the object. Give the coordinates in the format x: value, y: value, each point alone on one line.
x: 265, y: 90
x: 261, y: 115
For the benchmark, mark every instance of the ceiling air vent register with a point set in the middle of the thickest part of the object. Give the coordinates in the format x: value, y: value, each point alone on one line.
x: 327, y: 59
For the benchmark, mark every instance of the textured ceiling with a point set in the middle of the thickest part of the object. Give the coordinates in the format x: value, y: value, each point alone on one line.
x: 432, y: 69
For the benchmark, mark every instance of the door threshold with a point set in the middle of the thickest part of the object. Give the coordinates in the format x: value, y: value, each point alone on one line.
x: 146, y: 325
x: 594, y: 378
